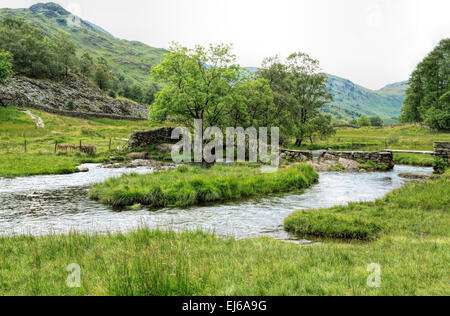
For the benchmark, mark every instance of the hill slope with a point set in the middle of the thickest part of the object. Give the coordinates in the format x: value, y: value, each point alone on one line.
x: 352, y: 100
x: 131, y: 59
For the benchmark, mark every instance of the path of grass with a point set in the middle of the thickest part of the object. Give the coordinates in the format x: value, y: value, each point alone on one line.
x: 188, y: 186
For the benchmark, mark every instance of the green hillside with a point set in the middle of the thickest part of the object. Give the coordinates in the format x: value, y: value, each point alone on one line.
x: 131, y: 59
x: 351, y: 100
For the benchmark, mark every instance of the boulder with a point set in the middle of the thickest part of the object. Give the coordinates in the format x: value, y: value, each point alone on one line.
x: 138, y: 155
x: 164, y: 148
x: 414, y: 176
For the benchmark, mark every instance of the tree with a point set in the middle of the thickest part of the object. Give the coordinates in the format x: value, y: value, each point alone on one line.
x: 34, y: 54
x: 376, y: 121
x: 198, y: 83
x: 6, y: 70
x: 353, y: 122
x: 103, y: 76
x: 149, y: 94
x: 299, y: 93
x: 363, y: 121
x: 65, y: 51
x: 426, y: 99
x: 86, y: 65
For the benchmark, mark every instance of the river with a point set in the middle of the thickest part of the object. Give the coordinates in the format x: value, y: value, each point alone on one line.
x: 59, y: 204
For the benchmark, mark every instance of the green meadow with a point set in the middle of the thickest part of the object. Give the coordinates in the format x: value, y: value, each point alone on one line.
x: 19, y: 133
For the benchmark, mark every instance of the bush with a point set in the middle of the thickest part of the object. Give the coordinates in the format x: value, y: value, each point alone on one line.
x: 440, y: 165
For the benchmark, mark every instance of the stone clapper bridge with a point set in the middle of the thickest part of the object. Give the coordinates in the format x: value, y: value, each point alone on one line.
x: 143, y: 139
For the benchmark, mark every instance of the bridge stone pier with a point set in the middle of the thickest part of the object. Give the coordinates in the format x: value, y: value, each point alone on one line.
x: 442, y: 149
x: 380, y: 157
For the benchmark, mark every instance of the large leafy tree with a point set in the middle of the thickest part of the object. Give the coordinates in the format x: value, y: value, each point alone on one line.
x: 199, y: 83
x: 300, y: 94
x: 427, y: 97
x: 6, y: 70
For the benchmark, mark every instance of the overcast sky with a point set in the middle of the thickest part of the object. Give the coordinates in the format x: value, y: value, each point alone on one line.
x: 371, y: 42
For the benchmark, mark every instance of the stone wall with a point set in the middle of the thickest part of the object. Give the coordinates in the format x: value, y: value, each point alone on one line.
x: 296, y: 154
x: 147, y: 138
x: 85, y: 115
x: 380, y: 157
x: 442, y: 149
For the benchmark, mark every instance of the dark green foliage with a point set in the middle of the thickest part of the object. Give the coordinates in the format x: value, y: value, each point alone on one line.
x: 363, y: 121
x: 6, y: 70
x: 440, y: 165
x: 376, y: 121
x: 428, y: 97
x: 34, y: 54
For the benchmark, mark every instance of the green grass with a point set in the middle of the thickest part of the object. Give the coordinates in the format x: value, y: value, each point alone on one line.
x: 416, y: 210
x: 379, y: 138
x: 40, y: 158
x: 188, y: 186
x: 412, y: 249
x: 414, y: 160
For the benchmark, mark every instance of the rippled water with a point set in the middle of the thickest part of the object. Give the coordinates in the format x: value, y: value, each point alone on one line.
x: 44, y: 205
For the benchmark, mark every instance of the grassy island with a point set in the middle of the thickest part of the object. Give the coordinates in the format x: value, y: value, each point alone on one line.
x: 187, y: 186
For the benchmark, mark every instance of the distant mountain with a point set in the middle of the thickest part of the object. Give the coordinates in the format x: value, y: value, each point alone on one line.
x: 352, y: 100
x: 131, y: 59
x: 134, y: 60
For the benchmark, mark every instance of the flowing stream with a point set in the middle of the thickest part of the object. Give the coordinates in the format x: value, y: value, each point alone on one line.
x: 43, y: 205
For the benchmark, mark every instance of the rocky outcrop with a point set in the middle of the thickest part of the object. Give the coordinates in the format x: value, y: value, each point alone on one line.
x: 148, y: 138
x: 74, y: 96
x: 379, y: 157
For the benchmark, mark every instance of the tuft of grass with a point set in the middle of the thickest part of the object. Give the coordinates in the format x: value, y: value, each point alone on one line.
x: 188, y: 186
x: 413, y: 159
x: 372, y: 165
x: 338, y: 226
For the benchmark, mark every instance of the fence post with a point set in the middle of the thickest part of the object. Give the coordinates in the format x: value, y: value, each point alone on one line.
x: 56, y: 145
x: 80, y: 144
x: 25, y: 145
x: 110, y: 144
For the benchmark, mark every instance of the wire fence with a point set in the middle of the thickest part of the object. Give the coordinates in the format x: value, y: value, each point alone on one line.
x: 87, y: 146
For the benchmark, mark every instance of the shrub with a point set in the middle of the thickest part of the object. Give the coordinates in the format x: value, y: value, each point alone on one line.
x: 440, y: 165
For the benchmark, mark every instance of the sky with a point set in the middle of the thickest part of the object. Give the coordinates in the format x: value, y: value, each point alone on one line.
x: 370, y: 42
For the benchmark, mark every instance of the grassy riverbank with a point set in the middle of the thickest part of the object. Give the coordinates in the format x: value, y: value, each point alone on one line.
x: 416, y: 214
x: 40, y: 157
x: 188, y: 186
x: 377, y: 138
x: 414, y: 160
x: 411, y: 246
